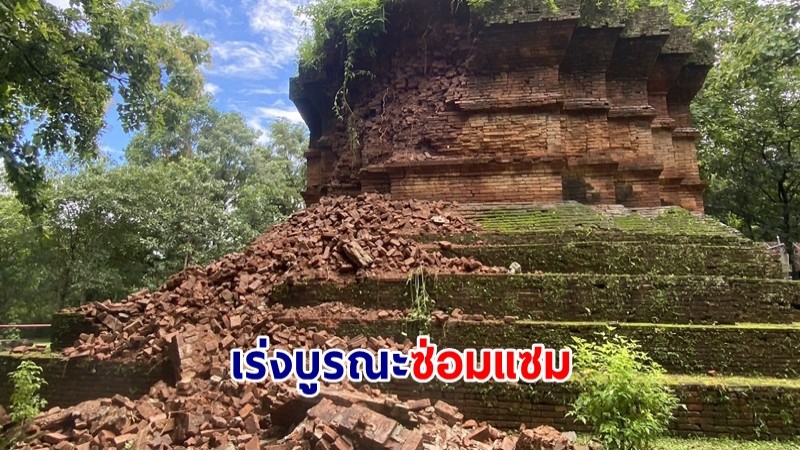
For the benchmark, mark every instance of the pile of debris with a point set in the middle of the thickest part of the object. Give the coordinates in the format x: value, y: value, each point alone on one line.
x: 227, y: 303
x: 226, y: 416
x: 200, y: 314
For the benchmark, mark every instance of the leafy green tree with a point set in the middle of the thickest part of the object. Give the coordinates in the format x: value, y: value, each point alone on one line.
x: 264, y: 177
x: 60, y: 67
x: 111, y: 231
x: 223, y: 140
x: 749, y: 113
x: 272, y: 191
x: 20, y: 274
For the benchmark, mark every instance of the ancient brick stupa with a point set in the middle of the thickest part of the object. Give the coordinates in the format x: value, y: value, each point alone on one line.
x: 514, y: 103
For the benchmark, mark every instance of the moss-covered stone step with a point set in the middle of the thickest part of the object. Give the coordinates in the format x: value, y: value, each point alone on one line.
x: 745, y: 350
x: 573, y: 217
x: 747, y: 408
x: 585, y: 235
x: 624, y: 298
x: 629, y: 257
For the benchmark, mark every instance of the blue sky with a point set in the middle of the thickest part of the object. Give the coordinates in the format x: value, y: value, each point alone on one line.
x: 253, y: 48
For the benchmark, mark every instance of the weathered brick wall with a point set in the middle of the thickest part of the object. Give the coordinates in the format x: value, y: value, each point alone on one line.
x: 505, y: 84
x: 641, y: 299
x: 729, y: 350
x: 759, y: 412
x: 749, y: 350
x: 70, y: 382
x: 541, y: 184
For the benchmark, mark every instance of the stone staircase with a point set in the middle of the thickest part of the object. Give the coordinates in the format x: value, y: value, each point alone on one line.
x: 707, y: 304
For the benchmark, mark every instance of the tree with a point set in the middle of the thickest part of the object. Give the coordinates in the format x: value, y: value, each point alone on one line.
x: 749, y: 114
x: 223, y: 140
x: 272, y: 191
x: 111, y: 231
x: 105, y: 231
x: 264, y: 178
x: 60, y: 67
x: 19, y: 274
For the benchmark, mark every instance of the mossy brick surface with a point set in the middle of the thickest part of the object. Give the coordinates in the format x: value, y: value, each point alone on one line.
x: 753, y: 409
x: 528, y: 11
x: 643, y: 298
x: 581, y: 218
x: 740, y: 350
x: 628, y: 258
x: 584, y: 235
x: 748, y: 350
x: 71, y: 381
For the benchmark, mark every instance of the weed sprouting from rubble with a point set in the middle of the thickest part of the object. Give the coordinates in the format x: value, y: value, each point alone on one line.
x: 421, y: 302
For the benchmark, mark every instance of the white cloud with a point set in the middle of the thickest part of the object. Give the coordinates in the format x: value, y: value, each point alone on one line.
x: 279, y: 113
x: 211, y: 88
x: 216, y: 7
x: 261, y: 117
x: 266, y: 91
x: 62, y: 4
x: 243, y: 59
x: 282, y: 29
x: 202, y: 29
x: 279, y: 29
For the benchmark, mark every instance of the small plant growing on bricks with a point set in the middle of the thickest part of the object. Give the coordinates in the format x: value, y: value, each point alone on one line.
x: 25, y: 400
x: 622, y: 393
x: 421, y: 301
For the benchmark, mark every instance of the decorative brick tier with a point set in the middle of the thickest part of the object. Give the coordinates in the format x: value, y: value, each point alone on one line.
x: 515, y: 103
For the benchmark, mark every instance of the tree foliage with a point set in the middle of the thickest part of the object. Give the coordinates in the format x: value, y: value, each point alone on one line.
x: 749, y: 114
x: 60, y: 67
x: 106, y: 231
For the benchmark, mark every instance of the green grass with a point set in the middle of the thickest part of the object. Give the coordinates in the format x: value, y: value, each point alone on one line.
x: 716, y: 444
x: 738, y: 326
x: 730, y: 381
x: 723, y: 444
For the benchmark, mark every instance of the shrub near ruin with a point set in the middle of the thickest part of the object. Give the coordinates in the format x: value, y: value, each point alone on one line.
x: 623, y: 395
x: 25, y: 400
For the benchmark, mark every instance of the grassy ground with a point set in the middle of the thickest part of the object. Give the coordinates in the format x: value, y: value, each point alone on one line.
x: 718, y: 444
x: 723, y: 444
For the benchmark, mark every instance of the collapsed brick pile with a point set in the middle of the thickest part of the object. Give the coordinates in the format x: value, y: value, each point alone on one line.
x: 200, y: 314
x: 224, y: 416
x: 226, y: 304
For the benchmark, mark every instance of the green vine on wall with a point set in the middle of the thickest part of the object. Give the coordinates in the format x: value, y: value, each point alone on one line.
x: 357, y: 23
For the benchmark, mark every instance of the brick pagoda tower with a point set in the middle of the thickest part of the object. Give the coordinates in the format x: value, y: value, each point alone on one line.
x: 518, y: 103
